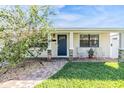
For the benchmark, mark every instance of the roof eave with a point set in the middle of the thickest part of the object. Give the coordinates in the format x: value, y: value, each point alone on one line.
x: 90, y: 29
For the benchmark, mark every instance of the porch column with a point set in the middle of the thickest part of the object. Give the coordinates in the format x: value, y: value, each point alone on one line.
x: 121, y: 47
x: 71, y: 48
x: 49, y: 49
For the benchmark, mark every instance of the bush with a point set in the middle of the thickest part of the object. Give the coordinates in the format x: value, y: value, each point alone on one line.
x: 90, y: 53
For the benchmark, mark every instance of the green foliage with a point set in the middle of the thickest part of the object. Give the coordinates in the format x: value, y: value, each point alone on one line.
x: 23, y: 30
x: 91, y: 53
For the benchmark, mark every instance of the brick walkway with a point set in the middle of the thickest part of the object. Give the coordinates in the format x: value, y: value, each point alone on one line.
x: 32, y: 78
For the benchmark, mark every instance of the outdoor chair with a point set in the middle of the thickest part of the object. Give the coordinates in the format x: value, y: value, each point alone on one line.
x: 98, y: 53
x: 81, y: 53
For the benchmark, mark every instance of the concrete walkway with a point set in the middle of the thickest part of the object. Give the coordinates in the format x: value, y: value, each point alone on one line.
x: 30, y: 80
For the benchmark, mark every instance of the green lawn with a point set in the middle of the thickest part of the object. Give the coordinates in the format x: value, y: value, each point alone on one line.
x: 87, y: 75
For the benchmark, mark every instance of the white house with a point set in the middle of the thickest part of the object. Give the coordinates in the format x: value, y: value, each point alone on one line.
x: 75, y: 42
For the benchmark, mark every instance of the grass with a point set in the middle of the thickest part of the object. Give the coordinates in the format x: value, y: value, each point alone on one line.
x: 87, y: 75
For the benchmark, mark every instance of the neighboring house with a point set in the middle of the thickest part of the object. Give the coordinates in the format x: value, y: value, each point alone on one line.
x: 75, y: 42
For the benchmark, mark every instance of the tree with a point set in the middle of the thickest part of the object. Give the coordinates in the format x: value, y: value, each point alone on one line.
x: 22, y: 30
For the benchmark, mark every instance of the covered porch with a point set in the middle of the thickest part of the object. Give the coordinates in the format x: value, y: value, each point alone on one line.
x: 67, y: 43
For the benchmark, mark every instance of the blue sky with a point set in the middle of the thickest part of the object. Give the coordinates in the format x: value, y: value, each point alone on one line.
x: 86, y: 16
x: 89, y: 16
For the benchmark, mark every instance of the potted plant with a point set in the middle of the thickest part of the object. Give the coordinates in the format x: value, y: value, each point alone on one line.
x: 91, y: 53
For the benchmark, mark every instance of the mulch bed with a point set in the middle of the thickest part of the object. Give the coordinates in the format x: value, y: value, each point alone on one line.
x: 21, y: 71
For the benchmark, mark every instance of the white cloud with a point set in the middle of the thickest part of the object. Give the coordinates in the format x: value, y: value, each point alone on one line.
x: 99, y: 21
x: 59, y: 6
x: 76, y: 20
x: 69, y: 17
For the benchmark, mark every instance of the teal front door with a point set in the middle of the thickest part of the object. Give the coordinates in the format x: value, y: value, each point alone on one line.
x: 62, y: 45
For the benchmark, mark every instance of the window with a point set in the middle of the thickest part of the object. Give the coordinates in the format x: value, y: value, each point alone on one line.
x: 89, y: 40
